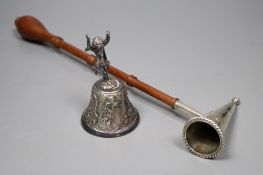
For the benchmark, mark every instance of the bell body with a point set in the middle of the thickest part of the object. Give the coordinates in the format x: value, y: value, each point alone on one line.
x: 109, y: 113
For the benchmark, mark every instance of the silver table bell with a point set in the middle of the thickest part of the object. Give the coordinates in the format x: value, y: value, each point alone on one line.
x: 110, y: 112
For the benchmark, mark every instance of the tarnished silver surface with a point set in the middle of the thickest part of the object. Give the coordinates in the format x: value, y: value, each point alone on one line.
x: 110, y: 112
x: 204, y: 134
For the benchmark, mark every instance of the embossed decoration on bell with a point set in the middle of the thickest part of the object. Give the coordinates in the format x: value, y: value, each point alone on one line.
x: 109, y: 113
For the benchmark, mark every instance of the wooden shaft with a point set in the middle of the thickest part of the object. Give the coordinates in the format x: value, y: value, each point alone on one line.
x: 32, y: 29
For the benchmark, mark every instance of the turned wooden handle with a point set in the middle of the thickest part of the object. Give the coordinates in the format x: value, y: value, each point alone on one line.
x: 32, y: 29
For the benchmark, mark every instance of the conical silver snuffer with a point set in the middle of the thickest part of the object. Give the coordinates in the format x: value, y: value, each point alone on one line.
x: 110, y: 112
x: 204, y: 135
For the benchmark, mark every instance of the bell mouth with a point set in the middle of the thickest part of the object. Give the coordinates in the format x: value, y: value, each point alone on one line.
x: 203, y: 137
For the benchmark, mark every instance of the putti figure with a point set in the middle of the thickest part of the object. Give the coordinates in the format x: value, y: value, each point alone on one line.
x: 97, y: 46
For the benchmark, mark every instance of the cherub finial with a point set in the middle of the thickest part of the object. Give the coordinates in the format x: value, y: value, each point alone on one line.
x: 97, y: 46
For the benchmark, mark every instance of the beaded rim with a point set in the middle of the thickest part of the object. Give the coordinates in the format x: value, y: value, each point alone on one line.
x: 215, y: 126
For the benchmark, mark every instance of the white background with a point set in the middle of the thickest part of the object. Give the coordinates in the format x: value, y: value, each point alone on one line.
x: 204, y: 52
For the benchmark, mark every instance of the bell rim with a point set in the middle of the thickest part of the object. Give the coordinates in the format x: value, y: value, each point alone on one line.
x: 110, y: 135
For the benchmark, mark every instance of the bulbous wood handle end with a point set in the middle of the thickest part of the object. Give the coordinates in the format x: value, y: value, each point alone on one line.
x: 32, y: 29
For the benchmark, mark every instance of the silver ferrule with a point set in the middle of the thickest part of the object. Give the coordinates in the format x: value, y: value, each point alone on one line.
x: 186, y: 111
